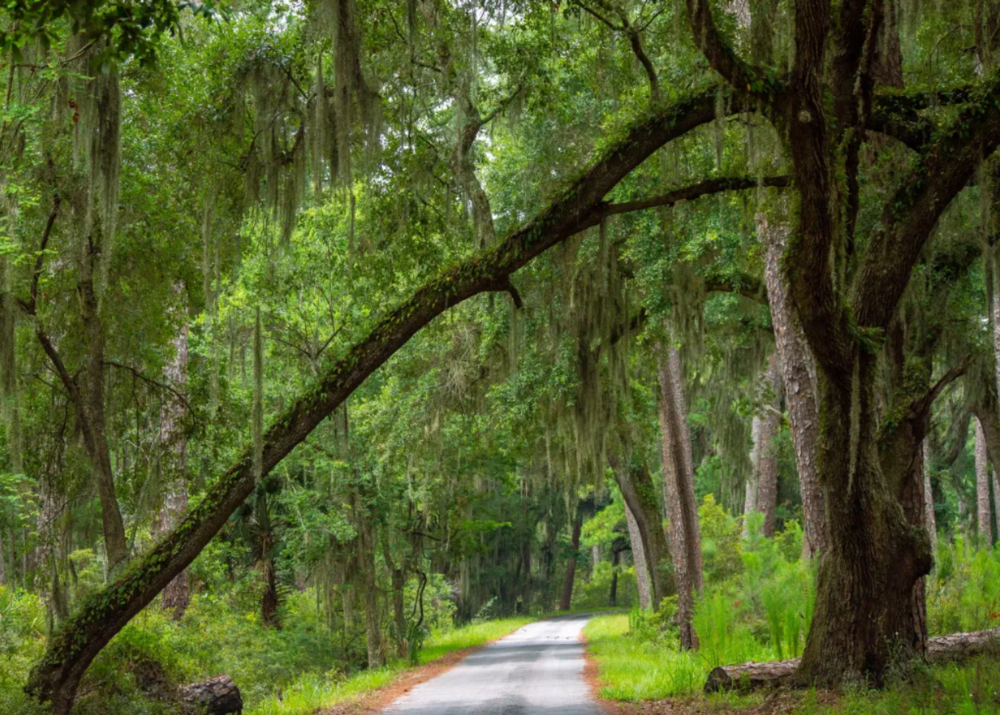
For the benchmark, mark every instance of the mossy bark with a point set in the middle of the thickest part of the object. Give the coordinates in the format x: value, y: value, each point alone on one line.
x: 678, y: 491
x: 863, y: 621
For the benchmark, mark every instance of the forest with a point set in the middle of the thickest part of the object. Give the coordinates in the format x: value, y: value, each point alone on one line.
x: 340, y: 339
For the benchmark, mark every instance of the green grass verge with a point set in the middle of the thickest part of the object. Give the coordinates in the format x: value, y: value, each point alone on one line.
x: 312, y: 692
x: 633, y: 669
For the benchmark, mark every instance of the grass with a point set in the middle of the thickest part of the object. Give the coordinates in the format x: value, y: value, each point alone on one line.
x: 633, y: 667
x: 312, y: 692
x: 638, y: 669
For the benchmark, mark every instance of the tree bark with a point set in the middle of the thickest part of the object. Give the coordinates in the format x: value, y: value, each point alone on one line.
x: 639, y: 561
x: 764, y: 457
x: 639, y: 495
x: 799, y: 380
x: 177, y: 593
x: 864, y: 616
x: 55, y: 678
x: 678, y: 491
x: 613, y: 595
x: 983, y: 520
x: 930, y: 520
x: 93, y: 413
x: 570, y: 580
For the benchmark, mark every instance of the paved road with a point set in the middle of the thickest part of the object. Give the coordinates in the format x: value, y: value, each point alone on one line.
x: 536, y: 671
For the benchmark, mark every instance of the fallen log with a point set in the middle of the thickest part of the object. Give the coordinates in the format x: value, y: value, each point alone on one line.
x: 757, y: 676
x: 215, y: 696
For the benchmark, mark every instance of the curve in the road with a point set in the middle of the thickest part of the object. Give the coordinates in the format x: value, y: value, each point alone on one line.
x: 537, y: 670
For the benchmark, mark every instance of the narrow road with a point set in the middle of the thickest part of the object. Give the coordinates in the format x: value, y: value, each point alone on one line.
x: 537, y: 670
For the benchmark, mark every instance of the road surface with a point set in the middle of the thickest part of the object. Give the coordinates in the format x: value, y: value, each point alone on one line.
x: 537, y: 670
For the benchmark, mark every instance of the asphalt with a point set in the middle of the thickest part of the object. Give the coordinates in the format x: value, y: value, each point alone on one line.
x: 537, y: 670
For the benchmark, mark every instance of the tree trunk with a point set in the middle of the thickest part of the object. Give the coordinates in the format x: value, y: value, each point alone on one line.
x: 764, y: 457
x: 983, y: 520
x: 177, y: 593
x: 93, y: 415
x: 799, y: 377
x: 863, y: 616
x: 639, y: 494
x: 366, y: 564
x: 613, y: 596
x: 753, y: 479
x: 55, y: 678
x: 678, y: 491
x: 639, y: 561
x: 570, y: 580
x: 930, y: 520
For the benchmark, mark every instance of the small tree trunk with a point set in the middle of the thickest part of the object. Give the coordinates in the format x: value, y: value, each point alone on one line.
x: 177, y: 594
x: 93, y: 413
x: 930, y: 520
x: 983, y: 520
x: 567, y: 592
x: 639, y: 494
x: 678, y: 485
x: 613, y: 596
x: 996, y: 501
x: 366, y: 562
x: 753, y: 479
x: 767, y: 458
x: 639, y: 561
x: 799, y: 378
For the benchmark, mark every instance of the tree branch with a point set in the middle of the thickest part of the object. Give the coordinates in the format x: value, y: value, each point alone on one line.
x: 911, y: 214
x: 694, y: 191
x: 741, y: 75
x: 156, y: 383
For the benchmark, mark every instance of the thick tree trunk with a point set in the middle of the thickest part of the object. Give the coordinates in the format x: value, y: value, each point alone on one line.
x: 983, y: 517
x: 799, y: 378
x: 177, y: 593
x: 863, y: 616
x: 678, y: 491
x: 570, y: 580
x: 643, y: 584
x: 639, y: 493
x: 56, y: 677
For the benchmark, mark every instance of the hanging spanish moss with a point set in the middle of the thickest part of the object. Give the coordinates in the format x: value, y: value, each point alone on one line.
x: 354, y: 99
x: 97, y: 148
x: 257, y: 412
x: 8, y: 369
